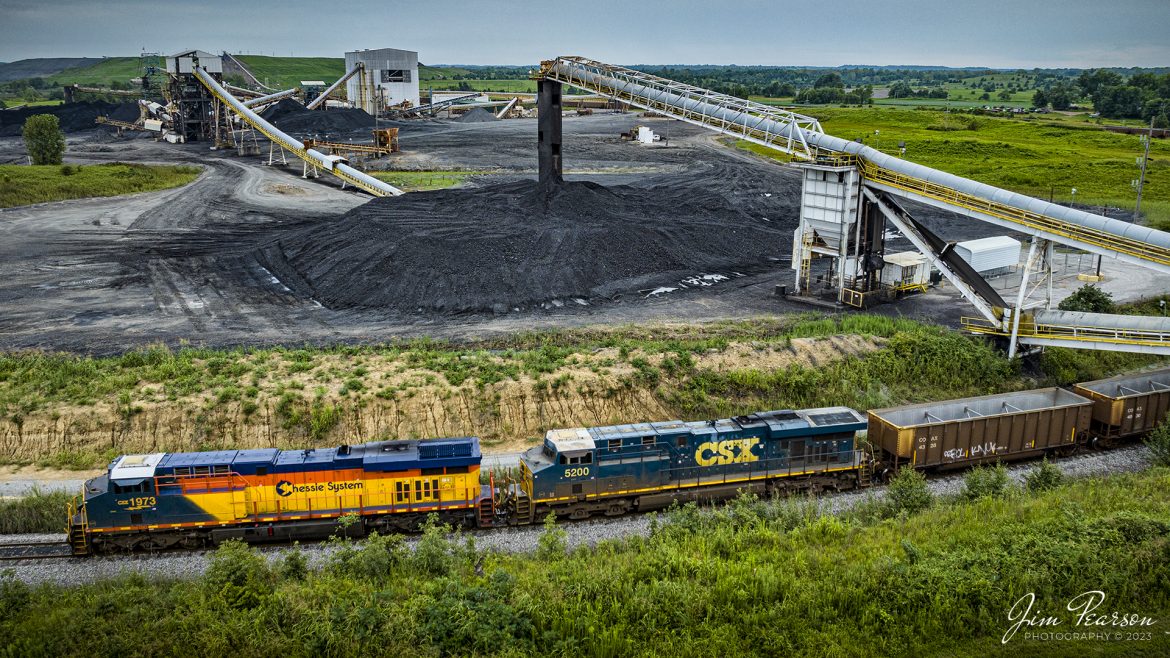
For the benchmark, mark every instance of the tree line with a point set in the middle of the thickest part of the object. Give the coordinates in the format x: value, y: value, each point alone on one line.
x: 1142, y: 95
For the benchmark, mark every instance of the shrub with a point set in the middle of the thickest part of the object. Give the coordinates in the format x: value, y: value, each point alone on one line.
x: 1048, y: 476
x: 1089, y: 299
x: 66, y: 170
x: 553, y: 541
x: 43, y: 139
x: 238, y: 575
x: 986, y: 482
x: 1158, y: 441
x: 432, y: 555
x: 908, y: 492
x: 294, y: 565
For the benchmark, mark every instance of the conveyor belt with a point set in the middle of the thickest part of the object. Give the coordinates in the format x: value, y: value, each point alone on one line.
x: 802, y: 137
x: 1099, y: 331
x: 315, y: 158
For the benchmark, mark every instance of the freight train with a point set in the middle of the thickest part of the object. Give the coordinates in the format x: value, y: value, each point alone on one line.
x: 192, y: 500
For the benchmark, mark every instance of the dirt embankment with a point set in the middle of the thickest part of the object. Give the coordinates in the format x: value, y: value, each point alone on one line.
x: 394, y: 398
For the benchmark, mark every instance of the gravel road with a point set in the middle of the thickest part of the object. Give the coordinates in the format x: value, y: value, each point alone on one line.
x: 587, y: 533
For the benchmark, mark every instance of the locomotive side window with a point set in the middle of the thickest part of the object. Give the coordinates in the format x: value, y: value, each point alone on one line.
x: 221, y: 469
x: 681, y: 442
x: 615, y: 445
x: 648, y: 441
x: 202, y: 470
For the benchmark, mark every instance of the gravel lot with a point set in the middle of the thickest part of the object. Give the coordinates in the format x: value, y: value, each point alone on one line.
x: 587, y: 533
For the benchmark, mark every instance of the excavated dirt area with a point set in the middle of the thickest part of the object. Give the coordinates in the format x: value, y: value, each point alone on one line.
x: 250, y: 254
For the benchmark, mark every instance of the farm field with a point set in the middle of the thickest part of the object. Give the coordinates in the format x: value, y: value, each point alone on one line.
x: 1045, y: 156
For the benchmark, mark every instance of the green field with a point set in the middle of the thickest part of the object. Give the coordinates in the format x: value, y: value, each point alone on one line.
x: 112, y: 69
x: 417, y: 181
x: 754, y: 578
x: 287, y: 72
x: 1040, y: 155
x: 518, y: 86
x: 22, y: 185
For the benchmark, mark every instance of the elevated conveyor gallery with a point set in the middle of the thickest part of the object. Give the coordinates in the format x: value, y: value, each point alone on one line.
x: 881, y: 177
x: 802, y: 137
x: 331, y: 164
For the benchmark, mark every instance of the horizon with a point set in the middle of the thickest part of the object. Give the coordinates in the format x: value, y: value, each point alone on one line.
x: 988, y: 34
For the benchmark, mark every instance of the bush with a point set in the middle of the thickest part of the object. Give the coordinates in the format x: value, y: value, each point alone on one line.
x: 433, y: 554
x: 294, y: 565
x: 553, y: 541
x: 37, y: 512
x: 986, y: 482
x: 66, y: 170
x: 238, y: 576
x: 908, y: 492
x: 1048, y: 476
x: 1089, y: 299
x: 1158, y: 441
x: 43, y: 139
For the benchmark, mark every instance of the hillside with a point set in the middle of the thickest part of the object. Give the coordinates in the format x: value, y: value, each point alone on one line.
x: 287, y: 72
x: 42, y: 67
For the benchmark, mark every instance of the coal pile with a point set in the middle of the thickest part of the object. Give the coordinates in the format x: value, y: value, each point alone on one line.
x: 477, y: 115
x: 73, y: 117
x: 516, y: 245
x: 291, y: 116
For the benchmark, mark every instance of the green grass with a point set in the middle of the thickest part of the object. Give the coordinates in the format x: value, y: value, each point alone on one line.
x: 417, y: 181
x: 517, y: 86
x: 22, y: 185
x: 37, y: 512
x: 910, y: 362
x: 749, y: 579
x: 287, y: 72
x: 101, y: 74
x: 1038, y: 156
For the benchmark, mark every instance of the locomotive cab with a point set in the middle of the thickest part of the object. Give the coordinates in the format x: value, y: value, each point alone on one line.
x: 560, y: 466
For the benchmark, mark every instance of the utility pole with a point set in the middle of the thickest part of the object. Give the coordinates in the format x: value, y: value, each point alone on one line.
x: 1137, y: 209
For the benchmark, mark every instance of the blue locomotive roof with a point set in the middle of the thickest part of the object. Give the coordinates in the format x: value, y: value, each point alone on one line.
x: 375, y: 456
x: 779, y: 423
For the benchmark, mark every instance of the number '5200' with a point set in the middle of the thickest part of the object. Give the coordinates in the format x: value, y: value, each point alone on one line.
x: 577, y: 472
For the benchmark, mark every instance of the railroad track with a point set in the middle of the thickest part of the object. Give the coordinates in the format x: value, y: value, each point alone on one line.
x: 35, y: 550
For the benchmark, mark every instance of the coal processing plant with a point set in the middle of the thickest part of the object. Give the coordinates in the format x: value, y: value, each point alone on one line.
x: 606, y: 195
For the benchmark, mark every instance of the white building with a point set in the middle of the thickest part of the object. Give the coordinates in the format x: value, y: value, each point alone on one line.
x: 184, y: 62
x: 391, y: 76
x: 990, y: 256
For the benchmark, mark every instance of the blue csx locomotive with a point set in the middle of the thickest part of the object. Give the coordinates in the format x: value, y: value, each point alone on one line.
x: 612, y: 470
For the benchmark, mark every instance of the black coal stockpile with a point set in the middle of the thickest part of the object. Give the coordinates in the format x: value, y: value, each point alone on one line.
x: 477, y: 115
x: 291, y: 116
x: 72, y: 117
x: 515, y: 245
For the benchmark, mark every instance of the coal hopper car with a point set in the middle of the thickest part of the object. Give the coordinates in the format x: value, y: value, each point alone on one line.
x: 1127, y: 406
x: 958, y: 433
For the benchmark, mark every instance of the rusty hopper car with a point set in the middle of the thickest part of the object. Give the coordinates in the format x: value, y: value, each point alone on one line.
x: 1129, y: 405
x: 995, y: 427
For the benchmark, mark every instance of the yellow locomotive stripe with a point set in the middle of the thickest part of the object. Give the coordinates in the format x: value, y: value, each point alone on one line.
x: 247, y: 521
x: 608, y: 494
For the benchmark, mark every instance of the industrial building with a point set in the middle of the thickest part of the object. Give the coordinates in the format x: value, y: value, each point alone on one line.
x: 389, y: 77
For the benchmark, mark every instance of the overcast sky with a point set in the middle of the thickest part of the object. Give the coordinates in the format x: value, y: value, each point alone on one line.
x: 992, y: 33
